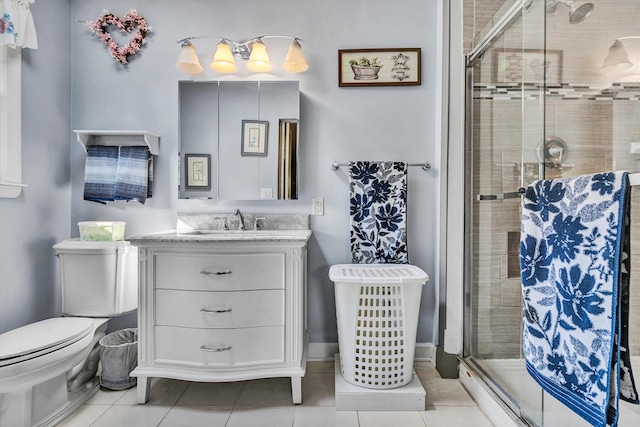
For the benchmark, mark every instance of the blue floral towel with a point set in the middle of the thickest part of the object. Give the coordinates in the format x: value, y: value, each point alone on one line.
x: 378, y: 212
x: 574, y: 260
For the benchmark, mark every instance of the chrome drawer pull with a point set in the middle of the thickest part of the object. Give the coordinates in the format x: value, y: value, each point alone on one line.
x: 215, y: 273
x: 219, y: 310
x: 215, y: 349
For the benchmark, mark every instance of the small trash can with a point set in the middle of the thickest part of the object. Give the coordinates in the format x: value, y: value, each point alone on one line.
x: 119, y: 356
x: 377, y: 307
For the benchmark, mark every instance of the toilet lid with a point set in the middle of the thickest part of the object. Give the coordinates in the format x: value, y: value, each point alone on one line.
x: 42, y: 337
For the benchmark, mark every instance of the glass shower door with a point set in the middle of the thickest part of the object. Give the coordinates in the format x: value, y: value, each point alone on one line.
x: 505, y: 123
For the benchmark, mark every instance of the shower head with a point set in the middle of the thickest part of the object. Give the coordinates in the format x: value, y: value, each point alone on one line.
x: 578, y: 11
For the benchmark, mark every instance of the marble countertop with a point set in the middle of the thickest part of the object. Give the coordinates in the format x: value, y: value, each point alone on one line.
x: 222, y: 236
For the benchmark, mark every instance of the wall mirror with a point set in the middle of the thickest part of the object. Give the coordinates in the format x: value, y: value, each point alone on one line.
x: 239, y: 139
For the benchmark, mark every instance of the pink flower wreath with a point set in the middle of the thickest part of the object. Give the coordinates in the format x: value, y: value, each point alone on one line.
x: 131, y: 21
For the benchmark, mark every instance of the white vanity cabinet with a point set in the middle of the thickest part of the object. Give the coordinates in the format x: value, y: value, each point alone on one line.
x: 221, y: 310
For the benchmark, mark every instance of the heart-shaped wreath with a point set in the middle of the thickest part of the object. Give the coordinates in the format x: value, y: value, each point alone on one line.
x: 131, y: 21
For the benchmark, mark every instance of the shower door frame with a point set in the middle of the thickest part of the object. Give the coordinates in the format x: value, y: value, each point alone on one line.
x: 501, y: 394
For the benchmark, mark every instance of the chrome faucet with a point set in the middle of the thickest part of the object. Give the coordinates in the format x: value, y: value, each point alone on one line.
x: 240, y: 219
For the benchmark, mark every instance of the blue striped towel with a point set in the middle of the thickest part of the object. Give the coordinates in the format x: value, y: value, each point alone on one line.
x: 150, y: 178
x: 100, y: 173
x: 574, y: 258
x: 378, y: 212
x: 132, y: 176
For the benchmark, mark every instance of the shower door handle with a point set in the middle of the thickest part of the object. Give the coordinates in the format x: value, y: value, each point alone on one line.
x: 502, y: 196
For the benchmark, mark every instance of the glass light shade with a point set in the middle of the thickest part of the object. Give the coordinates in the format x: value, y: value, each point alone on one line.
x: 617, y: 56
x: 259, y: 60
x: 188, y: 61
x: 223, y: 59
x: 295, y: 63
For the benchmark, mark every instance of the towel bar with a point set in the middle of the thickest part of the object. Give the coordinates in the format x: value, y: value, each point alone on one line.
x: 425, y: 166
x: 634, y: 179
x: 502, y: 196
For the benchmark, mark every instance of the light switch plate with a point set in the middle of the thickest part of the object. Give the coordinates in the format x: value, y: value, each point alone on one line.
x: 318, y: 206
x: 266, y: 193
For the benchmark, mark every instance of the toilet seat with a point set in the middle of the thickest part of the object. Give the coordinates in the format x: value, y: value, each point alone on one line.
x: 42, y: 337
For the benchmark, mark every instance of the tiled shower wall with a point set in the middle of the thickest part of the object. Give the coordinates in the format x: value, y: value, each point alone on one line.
x: 497, y: 170
x: 476, y: 15
x: 587, y: 107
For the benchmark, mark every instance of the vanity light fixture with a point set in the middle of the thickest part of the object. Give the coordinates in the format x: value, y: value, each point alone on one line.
x: 188, y: 59
x: 618, y: 55
x: 254, y: 51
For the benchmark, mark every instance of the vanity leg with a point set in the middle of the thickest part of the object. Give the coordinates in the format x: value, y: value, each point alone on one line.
x: 296, y: 390
x: 143, y: 386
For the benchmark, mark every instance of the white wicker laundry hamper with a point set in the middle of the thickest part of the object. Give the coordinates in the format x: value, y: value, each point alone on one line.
x: 377, y: 307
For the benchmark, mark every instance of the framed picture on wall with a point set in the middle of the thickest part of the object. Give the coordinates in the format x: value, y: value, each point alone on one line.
x: 527, y: 66
x: 379, y: 67
x: 254, y: 137
x: 197, y: 171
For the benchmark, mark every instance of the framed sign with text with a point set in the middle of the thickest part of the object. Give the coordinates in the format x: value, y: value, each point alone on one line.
x: 379, y: 67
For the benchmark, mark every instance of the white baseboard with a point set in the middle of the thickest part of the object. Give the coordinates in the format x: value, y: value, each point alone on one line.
x: 322, y: 351
x: 325, y: 352
x: 425, y: 352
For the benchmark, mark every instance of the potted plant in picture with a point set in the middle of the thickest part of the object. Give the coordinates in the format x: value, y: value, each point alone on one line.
x: 365, y: 68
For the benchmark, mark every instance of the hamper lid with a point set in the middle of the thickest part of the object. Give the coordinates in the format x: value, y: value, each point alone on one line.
x: 377, y: 273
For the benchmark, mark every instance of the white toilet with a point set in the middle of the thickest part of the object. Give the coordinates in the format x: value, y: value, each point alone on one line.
x: 48, y: 368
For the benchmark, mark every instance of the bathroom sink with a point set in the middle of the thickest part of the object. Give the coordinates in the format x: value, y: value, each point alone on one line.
x: 226, y: 234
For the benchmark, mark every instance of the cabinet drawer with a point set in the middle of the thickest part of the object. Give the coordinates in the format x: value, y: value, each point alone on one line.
x: 219, y: 347
x: 200, y: 309
x: 221, y: 272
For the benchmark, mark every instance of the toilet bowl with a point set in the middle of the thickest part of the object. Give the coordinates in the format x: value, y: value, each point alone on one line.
x: 48, y: 368
x: 42, y: 363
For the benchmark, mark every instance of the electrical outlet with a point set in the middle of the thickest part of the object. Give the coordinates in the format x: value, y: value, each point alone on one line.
x: 266, y: 193
x: 318, y: 206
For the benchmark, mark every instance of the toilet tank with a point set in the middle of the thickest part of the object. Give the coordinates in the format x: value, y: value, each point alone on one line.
x: 99, y: 279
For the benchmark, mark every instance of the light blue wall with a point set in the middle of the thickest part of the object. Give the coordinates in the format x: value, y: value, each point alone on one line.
x: 31, y: 224
x: 395, y: 123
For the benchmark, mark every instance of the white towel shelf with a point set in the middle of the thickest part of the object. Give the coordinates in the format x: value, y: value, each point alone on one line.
x: 118, y: 137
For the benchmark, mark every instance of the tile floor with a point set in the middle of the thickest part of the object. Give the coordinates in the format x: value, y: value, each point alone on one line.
x: 267, y: 402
